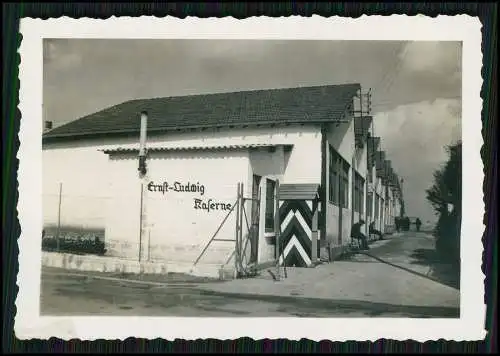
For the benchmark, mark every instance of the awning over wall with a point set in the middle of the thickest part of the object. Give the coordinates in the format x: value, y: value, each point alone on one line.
x: 299, y: 191
x: 271, y: 147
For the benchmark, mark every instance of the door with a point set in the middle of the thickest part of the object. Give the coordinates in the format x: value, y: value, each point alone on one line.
x: 254, y: 230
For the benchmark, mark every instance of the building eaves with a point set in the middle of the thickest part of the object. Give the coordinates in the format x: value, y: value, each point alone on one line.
x: 135, y: 150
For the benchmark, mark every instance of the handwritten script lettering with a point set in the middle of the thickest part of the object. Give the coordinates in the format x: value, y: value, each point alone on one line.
x: 177, y: 187
x: 199, y: 204
x: 210, y: 205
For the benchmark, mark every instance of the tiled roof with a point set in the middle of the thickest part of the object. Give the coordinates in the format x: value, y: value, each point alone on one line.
x: 193, y: 148
x: 271, y: 106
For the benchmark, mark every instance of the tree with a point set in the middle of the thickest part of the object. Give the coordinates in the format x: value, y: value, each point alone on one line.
x: 445, y: 196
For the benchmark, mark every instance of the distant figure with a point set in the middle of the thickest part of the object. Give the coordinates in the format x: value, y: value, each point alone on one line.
x: 397, y: 222
x: 374, y: 231
x: 418, y: 223
x: 358, y: 235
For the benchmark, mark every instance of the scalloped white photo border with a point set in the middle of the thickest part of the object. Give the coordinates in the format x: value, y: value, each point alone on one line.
x: 28, y: 322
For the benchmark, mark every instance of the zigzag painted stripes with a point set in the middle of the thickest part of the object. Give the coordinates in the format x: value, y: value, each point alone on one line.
x: 296, y: 232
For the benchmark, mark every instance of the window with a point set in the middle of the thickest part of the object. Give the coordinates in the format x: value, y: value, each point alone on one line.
x: 359, y: 192
x: 344, y: 185
x: 333, y: 191
x: 270, y: 205
x: 369, y: 204
x: 338, y: 176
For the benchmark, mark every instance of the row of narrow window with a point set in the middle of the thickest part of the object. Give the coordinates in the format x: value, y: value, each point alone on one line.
x: 338, y: 193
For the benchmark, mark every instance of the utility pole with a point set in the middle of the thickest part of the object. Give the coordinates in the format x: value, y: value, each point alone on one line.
x: 142, y: 173
x: 402, y: 201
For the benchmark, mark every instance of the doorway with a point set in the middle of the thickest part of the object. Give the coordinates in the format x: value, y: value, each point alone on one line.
x: 254, y: 230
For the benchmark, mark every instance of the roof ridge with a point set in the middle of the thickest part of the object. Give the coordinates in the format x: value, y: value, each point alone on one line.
x: 246, y: 91
x: 285, y: 104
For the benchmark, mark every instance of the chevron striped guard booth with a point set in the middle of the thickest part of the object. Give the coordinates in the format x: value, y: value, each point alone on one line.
x: 298, y: 219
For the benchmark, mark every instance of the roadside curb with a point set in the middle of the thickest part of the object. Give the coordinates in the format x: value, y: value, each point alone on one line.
x: 119, y: 279
x: 90, y: 263
x: 357, y: 305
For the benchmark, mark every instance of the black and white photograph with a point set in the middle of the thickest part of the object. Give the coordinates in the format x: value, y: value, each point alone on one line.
x: 299, y: 179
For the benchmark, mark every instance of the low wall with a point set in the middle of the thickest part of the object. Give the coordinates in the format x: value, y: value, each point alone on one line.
x: 109, y: 264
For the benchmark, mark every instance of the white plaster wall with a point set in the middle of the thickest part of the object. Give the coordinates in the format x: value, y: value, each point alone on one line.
x: 96, y: 191
x: 379, y: 191
x: 361, y: 158
x: 83, y: 173
x: 301, y: 165
x: 341, y: 137
x: 176, y: 231
x: 371, y: 187
x: 268, y: 166
x: 390, y: 211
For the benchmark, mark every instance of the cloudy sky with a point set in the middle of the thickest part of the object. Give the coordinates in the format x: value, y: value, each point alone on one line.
x: 416, y: 86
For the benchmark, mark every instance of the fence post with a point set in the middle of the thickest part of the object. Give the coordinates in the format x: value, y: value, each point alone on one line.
x: 240, y: 224
x: 277, y: 229
x: 141, y: 222
x: 314, y: 233
x: 59, y: 218
x: 237, y: 244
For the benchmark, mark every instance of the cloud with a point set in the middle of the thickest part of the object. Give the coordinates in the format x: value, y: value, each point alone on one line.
x: 414, y: 137
x: 442, y: 58
x: 61, y: 54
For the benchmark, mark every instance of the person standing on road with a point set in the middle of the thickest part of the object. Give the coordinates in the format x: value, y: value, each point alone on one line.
x: 418, y: 223
x: 358, y: 235
x: 372, y: 230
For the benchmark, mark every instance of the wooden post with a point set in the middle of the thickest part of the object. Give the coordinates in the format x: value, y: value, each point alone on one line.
x: 237, y: 233
x: 240, y: 224
x: 149, y: 244
x: 277, y: 229
x: 141, y: 221
x: 314, y: 233
x: 59, y: 217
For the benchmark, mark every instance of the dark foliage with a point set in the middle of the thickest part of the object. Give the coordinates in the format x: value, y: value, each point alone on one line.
x: 91, y: 247
x: 445, y: 195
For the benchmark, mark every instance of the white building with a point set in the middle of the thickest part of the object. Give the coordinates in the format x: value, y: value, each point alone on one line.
x: 198, y: 149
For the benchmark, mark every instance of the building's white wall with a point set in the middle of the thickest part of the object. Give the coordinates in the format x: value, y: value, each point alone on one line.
x: 361, y: 158
x: 176, y: 231
x: 301, y: 165
x: 370, y: 187
x: 341, y: 137
x: 98, y: 193
x: 378, y: 192
x: 83, y: 174
x: 268, y: 166
x: 390, y: 206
